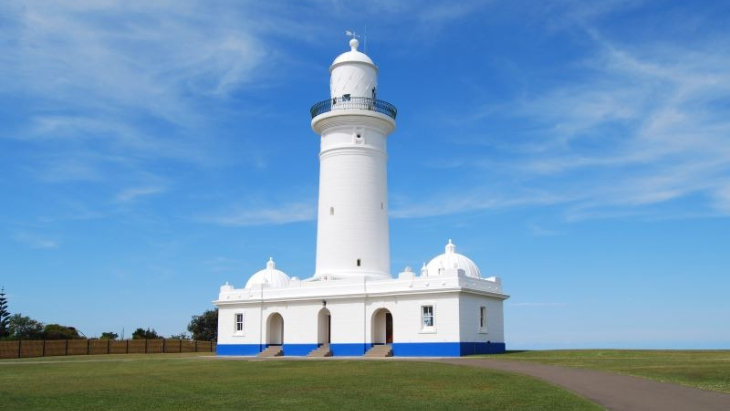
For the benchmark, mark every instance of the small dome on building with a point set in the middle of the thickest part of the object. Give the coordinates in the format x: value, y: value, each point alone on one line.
x: 269, y: 277
x: 352, y: 56
x: 451, y: 259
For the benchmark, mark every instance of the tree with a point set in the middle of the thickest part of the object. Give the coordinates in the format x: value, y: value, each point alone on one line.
x: 142, y: 334
x: 181, y: 336
x: 204, y: 327
x: 60, y: 332
x: 108, y: 335
x: 24, y: 327
x: 4, y: 315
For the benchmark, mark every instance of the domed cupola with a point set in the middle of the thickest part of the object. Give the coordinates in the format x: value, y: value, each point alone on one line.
x: 450, y: 259
x: 353, y: 75
x: 269, y: 277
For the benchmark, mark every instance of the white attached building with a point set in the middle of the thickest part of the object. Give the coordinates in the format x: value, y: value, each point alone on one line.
x: 352, y: 303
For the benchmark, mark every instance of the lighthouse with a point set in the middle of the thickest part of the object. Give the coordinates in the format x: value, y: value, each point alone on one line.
x: 352, y: 305
x: 352, y: 219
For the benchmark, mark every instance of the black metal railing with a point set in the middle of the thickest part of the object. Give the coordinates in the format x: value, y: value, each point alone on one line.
x: 354, y: 103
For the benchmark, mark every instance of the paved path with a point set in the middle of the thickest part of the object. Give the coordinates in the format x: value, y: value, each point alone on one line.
x: 613, y: 391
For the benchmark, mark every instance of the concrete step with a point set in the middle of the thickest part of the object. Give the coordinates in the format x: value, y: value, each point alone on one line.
x: 272, y: 351
x: 321, y: 351
x: 380, y: 351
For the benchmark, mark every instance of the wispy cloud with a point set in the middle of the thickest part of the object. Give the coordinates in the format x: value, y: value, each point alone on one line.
x: 637, y: 127
x: 101, y: 85
x: 132, y: 194
x: 538, y: 231
x: 279, y: 214
x: 33, y: 240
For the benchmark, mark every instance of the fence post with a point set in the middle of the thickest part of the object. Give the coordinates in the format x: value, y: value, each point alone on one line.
x: 43, y: 352
x: 196, y: 345
x: 180, y: 349
x: 108, y: 346
x: 127, y: 346
x: 163, y: 345
x: 145, y: 346
x: 65, y: 349
x: 20, y: 347
x: 88, y: 346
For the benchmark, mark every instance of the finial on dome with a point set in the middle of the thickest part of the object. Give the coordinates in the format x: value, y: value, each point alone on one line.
x: 270, y: 265
x: 450, y: 247
x: 353, y: 44
x: 424, y: 270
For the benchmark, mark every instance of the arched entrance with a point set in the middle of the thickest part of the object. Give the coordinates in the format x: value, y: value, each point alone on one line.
x: 324, y: 326
x: 275, y: 329
x: 382, y: 327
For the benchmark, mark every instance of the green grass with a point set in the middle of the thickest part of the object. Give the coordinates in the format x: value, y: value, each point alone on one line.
x: 185, y: 382
x: 708, y: 370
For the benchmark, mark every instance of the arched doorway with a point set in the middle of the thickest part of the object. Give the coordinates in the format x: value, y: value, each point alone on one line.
x: 382, y: 327
x: 275, y: 329
x: 324, y: 326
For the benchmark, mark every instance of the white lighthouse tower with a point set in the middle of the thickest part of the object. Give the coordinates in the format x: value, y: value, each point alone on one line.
x: 352, y: 229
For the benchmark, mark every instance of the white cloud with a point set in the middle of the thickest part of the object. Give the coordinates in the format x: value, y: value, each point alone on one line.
x: 643, y: 125
x: 132, y: 194
x: 279, y: 214
x: 111, y: 86
x: 142, y: 56
x: 538, y: 231
x: 35, y: 241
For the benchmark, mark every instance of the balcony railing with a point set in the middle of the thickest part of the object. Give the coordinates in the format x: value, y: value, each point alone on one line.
x: 354, y: 103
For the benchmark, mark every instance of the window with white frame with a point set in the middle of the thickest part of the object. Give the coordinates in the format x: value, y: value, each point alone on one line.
x: 239, y: 323
x: 483, y: 319
x: 427, y: 316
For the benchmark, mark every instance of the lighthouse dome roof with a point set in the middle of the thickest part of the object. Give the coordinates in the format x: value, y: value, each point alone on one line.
x: 352, y: 56
x: 451, y: 259
x: 269, y: 277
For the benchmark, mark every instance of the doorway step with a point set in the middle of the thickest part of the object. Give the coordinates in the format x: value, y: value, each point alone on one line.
x: 383, y: 350
x: 321, y: 351
x: 272, y: 351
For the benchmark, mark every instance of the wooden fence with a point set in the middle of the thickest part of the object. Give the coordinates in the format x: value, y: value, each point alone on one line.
x: 47, y: 348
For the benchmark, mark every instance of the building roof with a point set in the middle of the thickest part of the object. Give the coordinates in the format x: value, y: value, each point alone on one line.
x: 352, y: 56
x: 269, y: 277
x: 451, y: 259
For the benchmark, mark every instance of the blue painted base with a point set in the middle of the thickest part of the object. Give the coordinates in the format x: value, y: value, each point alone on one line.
x: 349, y: 350
x: 238, y: 349
x: 446, y: 349
x: 298, y: 350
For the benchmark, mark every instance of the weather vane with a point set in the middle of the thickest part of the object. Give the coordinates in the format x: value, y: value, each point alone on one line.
x: 354, y: 35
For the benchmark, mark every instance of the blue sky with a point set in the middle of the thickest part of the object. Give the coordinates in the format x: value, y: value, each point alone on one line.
x: 152, y: 151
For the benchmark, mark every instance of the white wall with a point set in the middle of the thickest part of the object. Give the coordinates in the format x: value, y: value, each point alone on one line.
x: 469, y: 319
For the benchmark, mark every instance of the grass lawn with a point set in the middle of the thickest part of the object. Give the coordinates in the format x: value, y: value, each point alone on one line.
x: 709, y: 370
x: 192, y: 382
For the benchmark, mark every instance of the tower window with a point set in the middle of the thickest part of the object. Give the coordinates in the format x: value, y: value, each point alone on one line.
x: 345, y: 97
x: 332, y: 211
x: 359, y: 135
x: 358, y: 262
